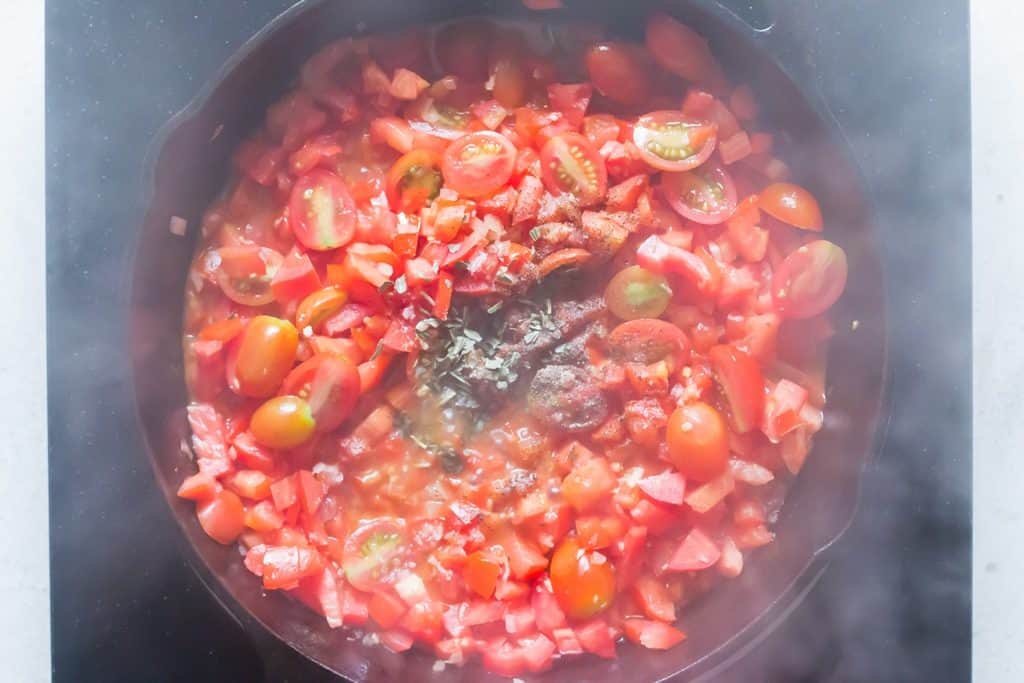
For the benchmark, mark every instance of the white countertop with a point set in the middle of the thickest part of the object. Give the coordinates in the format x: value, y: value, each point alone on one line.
x: 998, y: 104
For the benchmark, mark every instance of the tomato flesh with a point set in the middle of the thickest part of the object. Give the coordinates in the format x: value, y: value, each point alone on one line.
x: 583, y: 582
x: 704, y: 195
x: 635, y: 292
x: 322, y: 212
x: 373, y: 552
x: 478, y: 164
x: 791, y: 204
x: 672, y: 141
x: 330, y: 385
x: 571, y: 165
x: 246, y: 273
x: 810, y: 280
x: 414, y: 180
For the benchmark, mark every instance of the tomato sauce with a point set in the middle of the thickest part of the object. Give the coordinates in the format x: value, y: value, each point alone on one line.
x: 511, y: 359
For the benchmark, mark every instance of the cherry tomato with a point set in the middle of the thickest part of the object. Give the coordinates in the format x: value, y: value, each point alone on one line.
x: 283, y: 422
x: 479, y: 164
x: 791, y: 204
x: 672, y: 141
x: 245, y: 273
x: 461, y: 48
x: 636, y: 292
x: 571, y: 165
x: 264, y: 355
x: 583, y: 582
x: 810, y: 280
x: 679, y: 48
x: 619, y: 73
x: 374, y: 552
x: 509, y: 78
x: 705, y: 195
x: 698, y: 441
x: 222, y: 517
x: 647, y: 340
x: 329, y: 384
x: 740, y: 378
x: 321, y: 211
x: 319, y: 306
x: 414, y: 180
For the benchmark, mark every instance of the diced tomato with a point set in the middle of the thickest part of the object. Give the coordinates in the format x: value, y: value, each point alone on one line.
x: 667, y: 487
x: 285, y: 493
x: 251, y: 484
x: 481, y: 573
x: 199, y: 486
x: 285, y: 566
x: 595, y: 636
x: 601, y: 128
x: 504, y: 658
x: 538, y: 652
x: 400, y: 337
x: 443, y: 300
x: 596, y: 532
x: 548, y: 614
x: 524, y: 559
x: 386, y: 608
x: 654, y: 635
x: 263, y: 517
x: 589, y: 483
x: 567, y: 642
x: 655, y: 600
x: 710, y: 494
x: 696, y: 552
x: 396, y: 640
x: 782, y: 409
x: 571, y: 100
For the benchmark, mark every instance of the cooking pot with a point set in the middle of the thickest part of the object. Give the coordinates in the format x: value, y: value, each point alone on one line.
x: 188, y: 165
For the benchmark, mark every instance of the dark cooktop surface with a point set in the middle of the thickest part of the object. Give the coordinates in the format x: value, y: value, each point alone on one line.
x: 893, y: 604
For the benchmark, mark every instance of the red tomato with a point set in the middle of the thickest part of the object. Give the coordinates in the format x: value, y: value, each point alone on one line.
x: 284, y: 566
x: 667, y: 487
x: 414, y: 180
x: 654, y: 635
x: 263, y: 356
x: 222, y: 517
x: 321, y: 211
x: 810, y: 280
x: 792, y: 204
x: 740, y: 378
x: 329, y: 384
x: 479, y: 164
x: 481, y: 573
x: 679, y: 48
x: 696, y: 552
x: 295, y: 278
x: 283, y: 422
x: 245, y: 274
x: 704, y: 195
x: 583, y: 582
x: 619, y: 72
x: 698, y: 441
x: 374, y: 552
x: 673, y: 141
x: 571, y: 165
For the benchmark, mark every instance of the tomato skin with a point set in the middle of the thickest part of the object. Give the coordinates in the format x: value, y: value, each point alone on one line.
x: 263, y: 357
x: 792, y: 204
x: 222, y: 517
x: 571, y: 165
x: 618, y: 72
x: 479, y: 164
x: 740, y: 378
x: 810, y: 280
x: 283, y: 422
x: 679, y: 48
x: 705, y: 195
x: 321, y: 211
x: 659, y: 137
x: 637, y: 293
x: 481, y: 573
x: 698, y: 441
x: 331, y: 386
x: 414, y: 180
x: 319, y: 306
x: 657, y: 254
x: 583, y: 582
x: 246, y: 273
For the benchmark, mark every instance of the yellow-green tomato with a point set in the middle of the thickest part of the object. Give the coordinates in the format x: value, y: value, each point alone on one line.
x: 636, y: 292
x: 283, y: 422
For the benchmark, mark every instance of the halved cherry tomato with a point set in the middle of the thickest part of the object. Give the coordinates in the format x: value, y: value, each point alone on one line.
x: 571, y: 165
x: 792, y: 204
x: 619, y: 73
x: 374, y: 552
x: 321, y: 211
x: 705, y: 195
x: 646, y: 341
x: 479, y: 164
x: 329, y: 384
x: 810, y: 280
x: 414, y: 180
x: 673, y: 141
x: 245, y: 273
x: 698, y: 441
x: 319, y: 306
x: 264, y: 355
x: 740, y: 378
x: 283, y: 422
x: 635, y: 292
x: 583, y: 582
x: 222, y: 517
x: 679, y: 48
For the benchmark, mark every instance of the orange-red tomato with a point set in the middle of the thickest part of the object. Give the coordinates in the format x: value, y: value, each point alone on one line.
x: 321, y: 211
x: 636, y: 292
x: 571, y: 165
x: 705, y: 195
x: 791, y: 204
x: 619, y: 73
x: 319, y: 306
x: 481, y: 573
x: 283, y: 422
x: 479, y: 164
x: 740, y: 378
x: 329, y: 384
x: 698, y: 441
x: 264, y: 355
x: 222, y: 517
x: 673, y: 141
x: 414, y: 180
x: 245, y: 273
x: 810, y: 280
x: 583, y: 582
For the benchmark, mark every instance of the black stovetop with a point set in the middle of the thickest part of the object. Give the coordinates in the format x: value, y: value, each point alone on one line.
x: 125, y: 606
